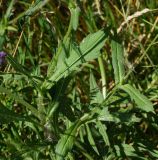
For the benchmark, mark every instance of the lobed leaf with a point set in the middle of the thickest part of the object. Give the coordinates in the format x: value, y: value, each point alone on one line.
x: 142, y: 101
x: 102, y: 130
x: 96, y: 95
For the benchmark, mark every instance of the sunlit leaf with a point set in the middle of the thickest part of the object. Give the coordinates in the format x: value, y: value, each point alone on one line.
x: 88, y: 49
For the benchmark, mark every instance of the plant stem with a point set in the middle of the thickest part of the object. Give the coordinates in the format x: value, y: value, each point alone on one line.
x: 103, y: 76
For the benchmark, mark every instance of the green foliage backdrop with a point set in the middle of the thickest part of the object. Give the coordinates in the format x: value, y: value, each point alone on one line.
x: 79, y: 81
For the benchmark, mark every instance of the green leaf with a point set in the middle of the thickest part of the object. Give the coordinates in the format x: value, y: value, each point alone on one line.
x: 117, y: 61
x: 105, y: 115
x: 136, y: 150
x: 37, y: 5
x: 96, y: 95
x: 91, y: 139
x: 75, y: 12
x: 102, y: 130
x: 125, y: 150
x: 142, y: 102
x: 9, y: 10
x: 66, y: 142
x: 89, y: 49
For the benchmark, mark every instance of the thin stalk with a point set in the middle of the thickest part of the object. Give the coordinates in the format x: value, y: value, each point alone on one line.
x: 103, y: 76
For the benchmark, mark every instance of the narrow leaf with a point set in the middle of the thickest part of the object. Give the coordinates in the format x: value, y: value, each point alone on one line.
x: 117, y: 61
x: 91, y: 140
x: 67, y: 140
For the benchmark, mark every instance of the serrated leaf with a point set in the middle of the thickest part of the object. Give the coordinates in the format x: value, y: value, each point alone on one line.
x: 142, y: 101
x: 136, y: 150
x: 96, y: 95
x: 105, y: 115
x: 117, y: 61
x: 126, y: 149
x: 102, y: 130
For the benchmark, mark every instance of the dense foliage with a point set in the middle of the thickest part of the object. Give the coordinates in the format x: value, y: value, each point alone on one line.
x: 78, y: 79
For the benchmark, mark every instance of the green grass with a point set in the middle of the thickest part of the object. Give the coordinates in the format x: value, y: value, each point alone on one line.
x: 80, y: 80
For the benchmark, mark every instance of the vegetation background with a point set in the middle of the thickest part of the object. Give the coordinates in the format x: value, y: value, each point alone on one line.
x: 80, y: 79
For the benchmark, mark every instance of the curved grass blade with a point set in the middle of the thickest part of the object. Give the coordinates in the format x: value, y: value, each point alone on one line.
x: 142, y: 101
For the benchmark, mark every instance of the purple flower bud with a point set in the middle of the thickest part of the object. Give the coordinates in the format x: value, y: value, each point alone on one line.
x: 2, y: 57
x: 2, y: 54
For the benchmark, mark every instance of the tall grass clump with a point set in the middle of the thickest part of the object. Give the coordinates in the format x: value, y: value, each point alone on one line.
x: 78, y: 80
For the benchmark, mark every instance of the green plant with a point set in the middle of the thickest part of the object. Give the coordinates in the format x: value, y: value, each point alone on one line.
x: 67, y: 91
